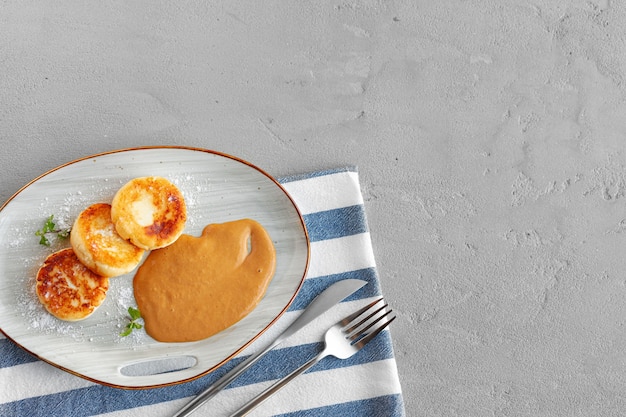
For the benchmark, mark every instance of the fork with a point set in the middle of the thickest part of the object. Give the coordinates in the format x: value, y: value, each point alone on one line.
x: 342, y: 340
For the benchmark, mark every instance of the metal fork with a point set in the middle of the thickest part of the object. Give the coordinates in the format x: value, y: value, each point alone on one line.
x: 342, y: 340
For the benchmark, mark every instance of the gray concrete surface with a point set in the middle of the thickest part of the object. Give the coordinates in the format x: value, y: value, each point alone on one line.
x: 489, y: 136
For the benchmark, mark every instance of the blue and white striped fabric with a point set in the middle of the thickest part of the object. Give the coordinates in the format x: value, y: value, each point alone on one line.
x: 365, y: 385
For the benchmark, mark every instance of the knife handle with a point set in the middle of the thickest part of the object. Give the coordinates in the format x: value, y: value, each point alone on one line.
x: 226, y: 379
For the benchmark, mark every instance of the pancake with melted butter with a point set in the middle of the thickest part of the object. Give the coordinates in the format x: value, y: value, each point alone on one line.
x: 150, y: 212
x: 98, y: 245
x: 67, y: 288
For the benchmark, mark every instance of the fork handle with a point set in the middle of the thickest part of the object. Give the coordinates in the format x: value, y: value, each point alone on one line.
x: 255, y: 402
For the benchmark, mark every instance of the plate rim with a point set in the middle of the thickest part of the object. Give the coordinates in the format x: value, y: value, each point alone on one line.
x: 237, y: 350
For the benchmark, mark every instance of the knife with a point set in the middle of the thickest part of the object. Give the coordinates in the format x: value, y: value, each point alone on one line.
x: 325, y: 300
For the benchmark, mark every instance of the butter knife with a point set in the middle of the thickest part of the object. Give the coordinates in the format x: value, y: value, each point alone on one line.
x: 325, y: 300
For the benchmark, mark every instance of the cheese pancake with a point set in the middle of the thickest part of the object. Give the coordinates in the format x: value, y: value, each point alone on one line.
x: 99, y: 246
x: 68, y: 289
x: 150, y: 212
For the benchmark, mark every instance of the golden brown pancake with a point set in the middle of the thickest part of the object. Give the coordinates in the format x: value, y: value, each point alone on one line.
x: 150, y: 212
x: 98, y: 245
x: 68, y: 289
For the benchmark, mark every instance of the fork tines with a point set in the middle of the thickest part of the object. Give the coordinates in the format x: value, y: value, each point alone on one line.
x: 359, y: 328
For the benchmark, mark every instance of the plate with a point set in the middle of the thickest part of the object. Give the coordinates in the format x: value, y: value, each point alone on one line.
x: 217, y: 188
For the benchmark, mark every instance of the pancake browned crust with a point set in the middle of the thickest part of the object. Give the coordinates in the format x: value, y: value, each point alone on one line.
x: 99, y: 246
x: 68, y: 289
x: 150, y: 212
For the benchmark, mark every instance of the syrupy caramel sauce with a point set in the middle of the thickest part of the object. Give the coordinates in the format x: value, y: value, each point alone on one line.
x: 199, y: 286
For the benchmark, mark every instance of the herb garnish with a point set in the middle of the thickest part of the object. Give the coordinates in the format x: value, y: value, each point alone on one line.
x: 49, y: 227
x: 132, y: 324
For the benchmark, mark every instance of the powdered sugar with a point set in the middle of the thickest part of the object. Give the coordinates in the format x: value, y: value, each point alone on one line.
x: 192, y: 186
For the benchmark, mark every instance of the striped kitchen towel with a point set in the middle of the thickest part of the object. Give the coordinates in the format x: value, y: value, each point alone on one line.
x: 367, y: 384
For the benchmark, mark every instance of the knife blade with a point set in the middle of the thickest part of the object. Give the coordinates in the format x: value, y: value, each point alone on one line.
x: 320, y: 304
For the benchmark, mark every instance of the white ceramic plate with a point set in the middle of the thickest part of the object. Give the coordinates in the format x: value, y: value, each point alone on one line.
x: 217, y: 188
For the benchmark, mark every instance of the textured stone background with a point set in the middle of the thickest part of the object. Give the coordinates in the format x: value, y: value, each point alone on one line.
x: 489, y: 135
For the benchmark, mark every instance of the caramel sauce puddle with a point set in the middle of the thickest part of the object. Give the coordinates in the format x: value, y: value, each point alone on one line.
x: 199, y: 286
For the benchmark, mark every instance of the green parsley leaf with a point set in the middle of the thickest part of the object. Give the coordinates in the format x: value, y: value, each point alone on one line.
x: 126, y: 331
x: 132, y: 324
x: 43, y: 240
x: 134, y: 313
